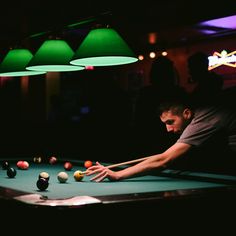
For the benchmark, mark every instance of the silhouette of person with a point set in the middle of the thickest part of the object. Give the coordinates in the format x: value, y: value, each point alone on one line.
x: 208, y: 84
x: 163, y: 80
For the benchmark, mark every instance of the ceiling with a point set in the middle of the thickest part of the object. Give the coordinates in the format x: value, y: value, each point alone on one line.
x: 172, y: 22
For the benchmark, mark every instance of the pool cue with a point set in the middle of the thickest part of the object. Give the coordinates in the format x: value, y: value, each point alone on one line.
x: 123, y: 163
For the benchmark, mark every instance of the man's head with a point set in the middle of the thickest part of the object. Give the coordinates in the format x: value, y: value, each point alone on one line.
x: 176, y: 113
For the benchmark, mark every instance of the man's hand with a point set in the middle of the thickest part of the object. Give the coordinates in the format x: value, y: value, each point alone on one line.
x: 101, y: 172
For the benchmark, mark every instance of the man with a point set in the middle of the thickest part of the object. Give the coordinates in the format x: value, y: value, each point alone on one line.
x: 207, y: 84
x: 210, y: 129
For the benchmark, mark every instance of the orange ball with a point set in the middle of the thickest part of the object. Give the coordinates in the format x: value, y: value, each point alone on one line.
x: 88, y: 163
x: 78, y: 176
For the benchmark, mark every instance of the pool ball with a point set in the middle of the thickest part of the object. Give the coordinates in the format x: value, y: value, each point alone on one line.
x: 88, y: 163
x: 5, y: 165
x: 78, y: 176
x: 44, y: 175
x: 37, y: 160
x: 68, y: 165
x: 52, y: 160
x: 42, y: 184
x: 11, y: 172
x: 19, y: 164
x: 24, y: 165
x: 62, y: 177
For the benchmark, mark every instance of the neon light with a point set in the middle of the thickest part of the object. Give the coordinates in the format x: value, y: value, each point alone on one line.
x: 223, y: 58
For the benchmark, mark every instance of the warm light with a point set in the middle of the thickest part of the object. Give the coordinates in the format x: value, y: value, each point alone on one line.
x: 152, y: 38
x: 53, y: 55
x: 103, y: 47
x: 15, y: 62
x: 164, y: 53
x: 152, y: 54
x: 141, y: 57
x: 89, y: 67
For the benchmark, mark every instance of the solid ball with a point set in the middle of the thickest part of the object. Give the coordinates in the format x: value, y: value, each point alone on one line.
x: 25, y: 165
x: 52, y: 160
x: 44, y: 175
x: 88, y: 163
x: 19, y: 164
x: 42, y: 184
x: 78, y: 176
x: 62, y: 177
x: 5, y: 165
x: 68, y: 165
x: 11, y: 172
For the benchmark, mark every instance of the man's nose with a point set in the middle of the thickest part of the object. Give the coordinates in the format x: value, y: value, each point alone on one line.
x: 169, y: 128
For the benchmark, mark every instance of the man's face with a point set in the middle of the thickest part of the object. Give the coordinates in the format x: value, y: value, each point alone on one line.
x: 176, y: 123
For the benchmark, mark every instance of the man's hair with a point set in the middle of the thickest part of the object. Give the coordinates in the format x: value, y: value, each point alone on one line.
x: 176, y: 102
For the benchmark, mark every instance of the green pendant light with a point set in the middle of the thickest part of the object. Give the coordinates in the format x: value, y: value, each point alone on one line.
x: 14, y: 64
x: 53, y: 55
x: 103, y: 47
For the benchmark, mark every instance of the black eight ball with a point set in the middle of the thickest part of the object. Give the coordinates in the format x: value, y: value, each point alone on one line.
x: 11, y: 172
x: 42, y: 184
x: 5, y: 165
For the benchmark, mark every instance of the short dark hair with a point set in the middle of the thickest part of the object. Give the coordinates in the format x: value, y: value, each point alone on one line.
x: 176, y: 102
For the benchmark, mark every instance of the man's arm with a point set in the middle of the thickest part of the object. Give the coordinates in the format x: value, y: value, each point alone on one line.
x: 152, y: 163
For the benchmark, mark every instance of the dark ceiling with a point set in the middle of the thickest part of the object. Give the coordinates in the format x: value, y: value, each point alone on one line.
x: 173, y: 22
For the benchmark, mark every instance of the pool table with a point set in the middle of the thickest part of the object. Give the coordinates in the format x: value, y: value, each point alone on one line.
x: 166, y: 190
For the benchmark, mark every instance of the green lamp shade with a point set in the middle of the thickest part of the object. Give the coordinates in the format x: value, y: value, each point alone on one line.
x: 15, y: 62
x: 53, y: 55
x: 103, y: 47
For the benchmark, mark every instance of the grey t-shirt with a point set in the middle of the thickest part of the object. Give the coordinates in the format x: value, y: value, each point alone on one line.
x: 209, y: 122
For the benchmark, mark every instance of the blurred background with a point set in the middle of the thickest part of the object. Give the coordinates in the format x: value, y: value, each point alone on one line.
x: 89, y: 114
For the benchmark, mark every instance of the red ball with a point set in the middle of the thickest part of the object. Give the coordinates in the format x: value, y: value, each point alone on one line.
x: 68, y: 165
x: 19, y: 164
x: 88, y: 163
x: 25, y: 165
x: 52, y: 160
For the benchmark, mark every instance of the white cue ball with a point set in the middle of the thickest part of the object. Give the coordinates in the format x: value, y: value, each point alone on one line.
x: 44, y: 175
x: 62, y: 177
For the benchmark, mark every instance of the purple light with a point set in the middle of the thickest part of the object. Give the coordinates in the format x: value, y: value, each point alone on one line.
x: 228, y: 22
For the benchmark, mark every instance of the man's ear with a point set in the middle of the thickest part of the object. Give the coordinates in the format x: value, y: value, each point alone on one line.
x: 187, y: 113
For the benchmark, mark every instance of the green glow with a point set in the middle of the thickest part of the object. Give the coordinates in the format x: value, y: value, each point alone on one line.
x: 105, y: 61
x: 81, y: 23
x: 15, y: 62
x: 55, y: 68
x: 53, y: 55
x: 103, y: 47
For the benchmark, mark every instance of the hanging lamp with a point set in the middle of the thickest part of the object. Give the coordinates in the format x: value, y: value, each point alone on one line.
x: 103, y: 47
x: 53, y: 55
x: 14, y: 63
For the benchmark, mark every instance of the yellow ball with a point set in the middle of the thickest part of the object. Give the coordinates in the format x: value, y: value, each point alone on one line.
x: 78, y: 176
